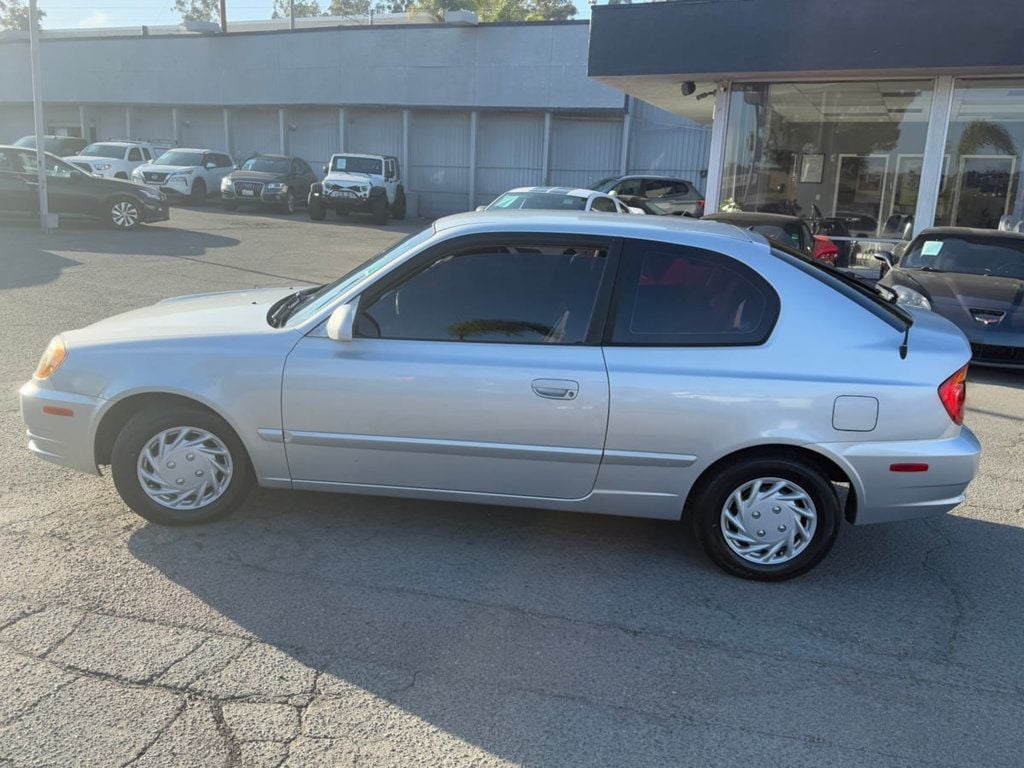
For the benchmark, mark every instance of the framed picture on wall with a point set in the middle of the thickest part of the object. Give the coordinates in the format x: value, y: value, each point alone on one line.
x: 812, y: 168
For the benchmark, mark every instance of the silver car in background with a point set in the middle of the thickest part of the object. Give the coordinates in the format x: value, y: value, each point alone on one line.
x: 645, y: 366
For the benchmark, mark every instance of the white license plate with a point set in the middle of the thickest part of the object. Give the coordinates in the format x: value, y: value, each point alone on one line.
x: 248, y: 193
x: 342, y: 193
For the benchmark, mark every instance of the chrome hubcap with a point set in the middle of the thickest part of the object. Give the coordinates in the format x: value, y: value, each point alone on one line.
x: 768, y: 521
x: 184, y: 468
x: 124, y: 214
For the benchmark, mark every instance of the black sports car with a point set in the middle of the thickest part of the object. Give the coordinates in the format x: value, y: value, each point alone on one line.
x: 974, y: 277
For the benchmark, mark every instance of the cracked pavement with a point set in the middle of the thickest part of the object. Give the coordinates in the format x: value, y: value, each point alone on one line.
x: 314, y: 629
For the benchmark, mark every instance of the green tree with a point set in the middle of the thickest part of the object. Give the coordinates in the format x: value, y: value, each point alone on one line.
x: 349, y: 7
x: 14, y: 15
x: 552, y: 10
x: 303, y: 9
x: 395, y: 6
x: 198, y: 10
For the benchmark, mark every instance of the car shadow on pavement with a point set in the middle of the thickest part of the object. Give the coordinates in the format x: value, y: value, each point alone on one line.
x: 24, y: 267
x: 557, y: 639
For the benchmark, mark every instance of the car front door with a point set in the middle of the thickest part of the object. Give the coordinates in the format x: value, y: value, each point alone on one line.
x: 67, y: 188
x: 390, y: 179
x: 17, y: 195
x: 476, y: 370
x: 299, y: 180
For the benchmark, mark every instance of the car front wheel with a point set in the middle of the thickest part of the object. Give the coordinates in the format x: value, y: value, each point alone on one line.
x: 180, y: 466
x: 767, y: 519
x: 124, y: 213
x: 198, y: 193
x: 315, y: 208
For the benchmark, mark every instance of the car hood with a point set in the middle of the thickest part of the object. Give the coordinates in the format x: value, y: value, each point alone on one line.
x: 981, y: 305
x: 165, y: 168
x: 340, y: 177
x: 255, y: 176
x: 224, y: 313
x: 92, y: 159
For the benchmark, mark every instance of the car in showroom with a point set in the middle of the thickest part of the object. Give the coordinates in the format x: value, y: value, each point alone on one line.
x: 359, y: 184
x: 114, y: 159
x: 788, y: 230
x: 677, y: 197
x: 72, y: 192
x: 55, y: 145
x: 186, y: 174
x: 972, y: 277
x: 647, y: 366
x: 275, y: 181
x: 556, y: 199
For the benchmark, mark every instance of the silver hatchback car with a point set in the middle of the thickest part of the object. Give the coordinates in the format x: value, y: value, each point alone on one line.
x: 645, y: 366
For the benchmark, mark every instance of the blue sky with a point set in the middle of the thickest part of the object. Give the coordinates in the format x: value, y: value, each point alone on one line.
x: 64, y: 14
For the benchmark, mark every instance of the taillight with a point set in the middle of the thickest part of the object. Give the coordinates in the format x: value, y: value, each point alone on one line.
x: 953, y: 394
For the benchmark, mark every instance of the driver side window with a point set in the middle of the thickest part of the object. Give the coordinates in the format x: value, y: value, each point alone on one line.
x: 513, y: 294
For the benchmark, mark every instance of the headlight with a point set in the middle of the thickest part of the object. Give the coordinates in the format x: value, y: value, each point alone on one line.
x: 178, y: 179
x: 137, y: 176
x: 276, y: 186
x: 102, y: 167
x: 225, y: 184
x: 51, y: 359
x: 152, y: 194
x: 911, y: 298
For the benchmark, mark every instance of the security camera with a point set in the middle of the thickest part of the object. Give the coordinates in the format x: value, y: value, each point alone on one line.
x: 687, y: 87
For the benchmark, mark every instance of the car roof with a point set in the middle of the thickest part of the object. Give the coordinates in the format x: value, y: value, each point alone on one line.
x: 359, y: 154
x: 563, y: 191
x: 752, y: 217
x: 669, y: 228
x: 656, y: 176
x: 972, y: 232
x: 274, y: 157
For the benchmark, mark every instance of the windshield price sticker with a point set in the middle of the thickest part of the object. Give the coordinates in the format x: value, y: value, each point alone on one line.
x: 931, y: 247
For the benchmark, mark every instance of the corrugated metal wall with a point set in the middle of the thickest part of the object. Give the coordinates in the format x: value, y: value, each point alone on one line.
x: 666, y: 144
x: 315, y: 137
x: 374, y: 131
x: 510, y: 153
x: 152, y: 123
x: 15, y: 122
x: 254, y: 130
x: 584, y: 150
x: 438, y: 171
x: 108, y: 121
x: 201, y: 129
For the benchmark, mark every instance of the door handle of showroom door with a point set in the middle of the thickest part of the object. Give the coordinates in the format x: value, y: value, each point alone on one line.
x: 556, y: 389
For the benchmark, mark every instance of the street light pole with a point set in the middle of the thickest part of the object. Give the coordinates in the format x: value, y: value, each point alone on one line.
x: 291, y: 14
x: 37, y: 113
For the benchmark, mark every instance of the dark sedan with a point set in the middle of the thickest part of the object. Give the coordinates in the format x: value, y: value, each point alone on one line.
x: 275, y: 180
x: 974, y: 277
x: 70, y: 191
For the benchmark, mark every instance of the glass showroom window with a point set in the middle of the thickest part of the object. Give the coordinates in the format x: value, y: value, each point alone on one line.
x: 981, y: 180
x: 845, y: 156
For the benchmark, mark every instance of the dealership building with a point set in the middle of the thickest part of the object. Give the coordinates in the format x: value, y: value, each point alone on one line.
x: 893, y: 116
x: 471, y: 110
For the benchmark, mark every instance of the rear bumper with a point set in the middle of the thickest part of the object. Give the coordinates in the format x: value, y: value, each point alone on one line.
x: 62, y: 439
x: 884, y: 496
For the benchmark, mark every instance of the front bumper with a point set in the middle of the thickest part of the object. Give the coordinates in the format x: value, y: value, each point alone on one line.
x: 153, y: 211
x: 266, y: 198
x: 884, y: 496
x: 55, y: 436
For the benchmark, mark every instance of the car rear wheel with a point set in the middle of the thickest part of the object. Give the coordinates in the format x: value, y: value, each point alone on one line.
x: 767, y: 519
x: 379, y: 210
x: 124, y: 213
x: 398, y: 209
x: 198, y: 193
x: 315, y: 209
x: 180, y: 466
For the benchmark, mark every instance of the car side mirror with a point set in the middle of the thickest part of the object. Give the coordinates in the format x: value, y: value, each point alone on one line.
x: 342, y: 321
x: 323, y: 169
x: 481, y: 208
x: 885, y: 257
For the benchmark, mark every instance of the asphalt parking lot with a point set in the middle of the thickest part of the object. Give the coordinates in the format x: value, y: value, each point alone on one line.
x: 335, y: 630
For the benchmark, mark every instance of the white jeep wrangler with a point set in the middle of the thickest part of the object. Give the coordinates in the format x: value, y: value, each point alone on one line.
x: 359, y: 183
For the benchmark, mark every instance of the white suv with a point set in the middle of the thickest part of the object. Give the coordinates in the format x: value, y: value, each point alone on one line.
x: 359, y: 183
x: 114, y: 159
x: 186, y: 173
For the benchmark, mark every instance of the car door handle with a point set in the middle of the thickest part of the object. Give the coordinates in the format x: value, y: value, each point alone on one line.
x: 556, y: 389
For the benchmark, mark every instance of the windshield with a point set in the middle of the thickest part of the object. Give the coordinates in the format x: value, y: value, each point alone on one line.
x: 370, y: 165
x: 180, y: 158
x: 50, y: 143
x: 103, y: 150
x: 511, y: 201
x: 267, y: 165
x: 326, y: 294
x: 788, y: 234
x: 605, y: 185
x: 964, y: 254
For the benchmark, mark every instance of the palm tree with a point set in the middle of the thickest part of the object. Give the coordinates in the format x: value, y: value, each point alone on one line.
x: 979, y: 137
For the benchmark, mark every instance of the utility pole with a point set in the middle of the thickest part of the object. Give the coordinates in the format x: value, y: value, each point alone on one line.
x: 223, y: 16
x: 37, y: 113
x: 291, y: 14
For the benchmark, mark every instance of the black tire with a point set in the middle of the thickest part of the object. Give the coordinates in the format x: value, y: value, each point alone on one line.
x: 288, y: 206
x: 141, y: 429
x: 198, y: 194
x: 398, y: 209
x: 315, y: 209
x: 709, y: 501
x: 379, y: 209
x: 230, y: 205
x: 121, y: 175
x: 124, y: 212
x: 341, y: 213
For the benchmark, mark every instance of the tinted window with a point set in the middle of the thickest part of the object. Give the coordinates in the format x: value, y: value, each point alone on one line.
x: 54, y: 168
x: 222, y: 161
x: 516, y: 294
x: 266, y: 165
x: 513, y: 201
x: 627, y: 187
x: 966, y: 254
x: 115, y: 151
x: 789, y: 233
x: 675, y: 295
x: 135, y: 155
x: 180, y: 158
x: 604, y: 205
x: 655, y: 188
x: 368, y: 165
